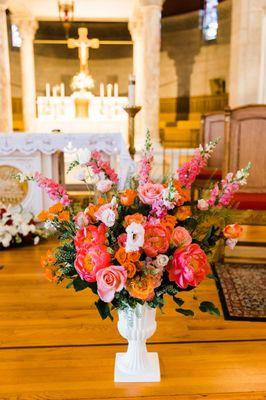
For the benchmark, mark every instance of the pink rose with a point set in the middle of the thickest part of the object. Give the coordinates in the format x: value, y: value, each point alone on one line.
x: 189, y: 266
x: 181, y: 237
x: 150, y: 192
x: 109, y: 281
x: 91, y: 259
x: 203, y: 205
x: 156, y: 240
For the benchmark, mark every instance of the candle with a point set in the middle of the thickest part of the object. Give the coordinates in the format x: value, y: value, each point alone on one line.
x: 116, y: 89
x: 131, y: 90
x: 62, y: 90
x: 109, y: 89
x: 101, y: 90
x: 54, y: 91
x: 47, y: 89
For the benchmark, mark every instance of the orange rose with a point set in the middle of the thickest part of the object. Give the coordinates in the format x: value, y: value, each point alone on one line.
x: 64, y: 216
x: 133, y: 256
x: 130, y: 267
x: 183, y: 213
x: 140, y: 265
x: 44, y: 216
x: 169, y: 222
x: 121, y: 255
x: 141, y: 287
x: 127, y: 198
x: 56, y: 208
x: 138, y: 218
x: 184, y: 193
x: 232, y: 231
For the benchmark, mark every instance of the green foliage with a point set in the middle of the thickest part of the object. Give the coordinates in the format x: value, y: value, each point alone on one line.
x: 185, y: 312
x: 212, y: 276
x: 178, y: 301
x: 104, y: 309
x: 72, y: 165
x: 207, y: 306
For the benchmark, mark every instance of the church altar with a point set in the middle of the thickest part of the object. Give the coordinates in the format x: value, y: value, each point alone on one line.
x: 26, y: 153
x: 69, y: 114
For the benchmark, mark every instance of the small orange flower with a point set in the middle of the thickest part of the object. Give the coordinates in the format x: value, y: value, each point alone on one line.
x: 130, y: 267
x: 140, y: 265
x: 138, y: 218
x: 56, y: 208
x: 50, y: 275
x: 127, y: 198
x: 141, y: 287
x: 232, y: 231
x: 44, y: 216
x: 90, y: 212
x: 100, y: 201
x: 121, y: 255
x: 183, y: 213
x: 184, y: 193
x: 133, y: 256
x: 48, y: 260
x: 64, y: 216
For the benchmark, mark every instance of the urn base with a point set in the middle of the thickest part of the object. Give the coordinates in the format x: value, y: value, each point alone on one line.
x: 150, y: 374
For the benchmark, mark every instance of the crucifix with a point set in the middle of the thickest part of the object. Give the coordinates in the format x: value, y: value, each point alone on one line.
x: 83, y: 43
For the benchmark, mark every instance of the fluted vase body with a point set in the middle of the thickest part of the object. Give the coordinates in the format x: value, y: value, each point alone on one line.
x: 137, y: 365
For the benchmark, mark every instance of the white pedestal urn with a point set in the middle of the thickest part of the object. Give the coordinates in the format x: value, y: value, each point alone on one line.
x: 137, y: 365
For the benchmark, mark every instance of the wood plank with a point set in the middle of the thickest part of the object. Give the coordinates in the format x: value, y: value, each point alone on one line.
x: 34, y: 312
x: 87, y: 372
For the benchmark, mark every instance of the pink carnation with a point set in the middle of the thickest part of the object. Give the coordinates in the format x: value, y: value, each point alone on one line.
x: 109, y: 281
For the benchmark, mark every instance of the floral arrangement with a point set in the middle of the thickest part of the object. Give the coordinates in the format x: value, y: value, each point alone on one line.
x: 18, y: 228
x: 137, y: 245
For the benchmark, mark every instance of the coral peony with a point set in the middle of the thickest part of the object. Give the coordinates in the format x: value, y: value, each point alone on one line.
x: 181, y: 237
x: 150, y: 192
x: 91, y: 259
x: 109, y: 281
x: 189, y: 266
x: 232, y: 231
x: 90, y: 235
x: 156, y: 240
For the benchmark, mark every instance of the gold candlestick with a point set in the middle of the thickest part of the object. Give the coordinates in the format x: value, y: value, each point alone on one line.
x: 132, y: 112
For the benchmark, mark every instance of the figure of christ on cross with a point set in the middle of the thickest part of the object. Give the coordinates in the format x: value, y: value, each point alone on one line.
x: 83, y: 43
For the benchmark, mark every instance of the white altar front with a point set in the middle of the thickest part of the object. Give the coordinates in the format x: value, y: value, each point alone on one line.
x: 27, y: 153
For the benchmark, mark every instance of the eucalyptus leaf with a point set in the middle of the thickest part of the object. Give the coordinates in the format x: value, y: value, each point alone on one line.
x: 185, y: 312
x: 207, y: 306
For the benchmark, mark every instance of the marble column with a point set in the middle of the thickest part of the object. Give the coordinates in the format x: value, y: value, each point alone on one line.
x: 248, y: 53
x: 5, y: 84
x: 27, y: 28
x: 146, y: 33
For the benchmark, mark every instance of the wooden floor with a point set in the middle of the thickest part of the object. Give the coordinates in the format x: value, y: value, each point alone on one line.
x: 54, y: 346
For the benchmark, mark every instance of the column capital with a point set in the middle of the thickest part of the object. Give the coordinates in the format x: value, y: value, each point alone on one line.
x: 3, y: 5
x: 151, y: 3
x: 27, y: 25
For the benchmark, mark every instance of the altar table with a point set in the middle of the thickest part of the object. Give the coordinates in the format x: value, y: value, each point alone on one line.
x: 30, y: 152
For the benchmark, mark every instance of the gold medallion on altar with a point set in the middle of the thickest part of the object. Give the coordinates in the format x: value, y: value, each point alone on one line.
x: 11, y: 191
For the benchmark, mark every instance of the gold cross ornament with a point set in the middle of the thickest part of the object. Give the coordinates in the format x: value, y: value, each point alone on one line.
x: 83, y: 43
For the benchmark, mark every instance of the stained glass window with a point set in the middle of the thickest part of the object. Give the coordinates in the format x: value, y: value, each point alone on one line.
x: 16, y: 39
x: 210, y: 20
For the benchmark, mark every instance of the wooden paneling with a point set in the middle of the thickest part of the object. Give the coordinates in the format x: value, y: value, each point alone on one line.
x: 246, y: 141
x: 213, y: 127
